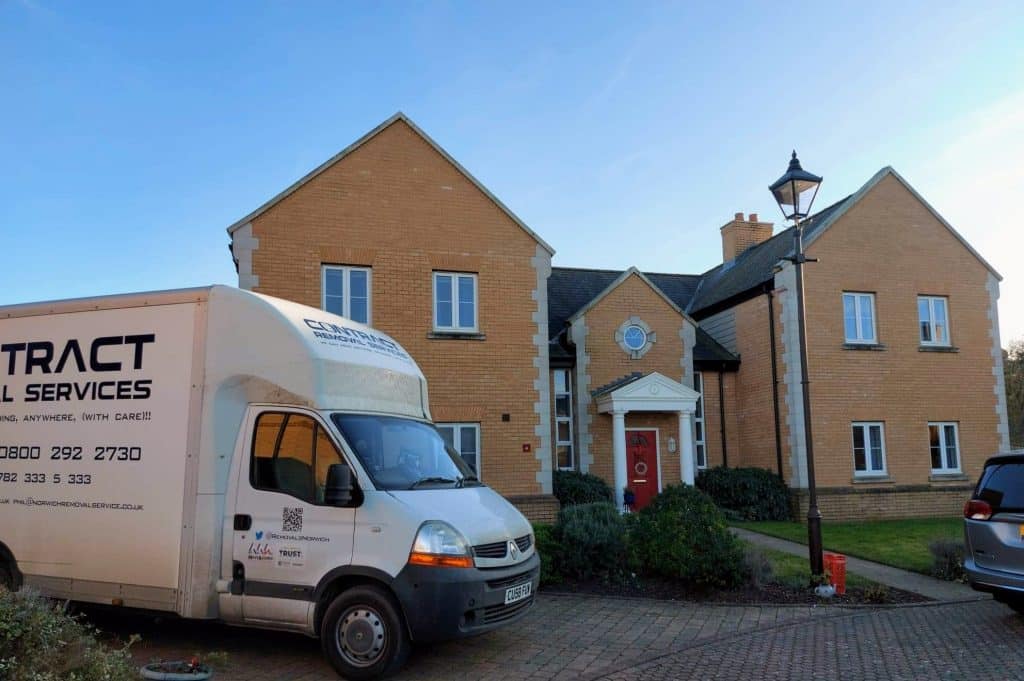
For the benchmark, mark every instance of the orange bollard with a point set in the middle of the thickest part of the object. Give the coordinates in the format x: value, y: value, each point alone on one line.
x: 835, y: 564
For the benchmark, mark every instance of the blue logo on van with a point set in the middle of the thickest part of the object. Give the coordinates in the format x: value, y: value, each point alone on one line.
x: 259, y: 535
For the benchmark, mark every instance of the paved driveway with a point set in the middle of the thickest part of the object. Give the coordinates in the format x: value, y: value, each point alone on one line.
x: 579, y: 637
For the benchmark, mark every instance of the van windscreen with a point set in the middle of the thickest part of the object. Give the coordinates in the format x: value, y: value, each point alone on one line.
x: 402, y: 454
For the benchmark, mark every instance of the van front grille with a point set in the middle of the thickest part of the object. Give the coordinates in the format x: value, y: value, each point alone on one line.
x: 509, y: 581
x: 502, y: 613
x: 524, y: 542
x: 496, y: 549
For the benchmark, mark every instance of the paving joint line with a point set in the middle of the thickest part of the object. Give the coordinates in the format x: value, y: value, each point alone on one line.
x: 701, y: 643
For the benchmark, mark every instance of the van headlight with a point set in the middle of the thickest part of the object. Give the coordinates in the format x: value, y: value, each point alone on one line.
x: 438, y: 544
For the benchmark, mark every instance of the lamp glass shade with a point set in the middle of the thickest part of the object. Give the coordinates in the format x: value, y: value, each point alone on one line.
x: 795, y: 191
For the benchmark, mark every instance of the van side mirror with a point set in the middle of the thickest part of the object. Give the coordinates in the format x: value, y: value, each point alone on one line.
x: 338, y: 491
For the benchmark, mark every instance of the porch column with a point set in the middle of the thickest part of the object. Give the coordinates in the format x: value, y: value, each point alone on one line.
x: 686, y: 464
x: 619, y: 454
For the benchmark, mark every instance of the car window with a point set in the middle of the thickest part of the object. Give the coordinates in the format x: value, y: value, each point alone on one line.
x: 1002, y: 486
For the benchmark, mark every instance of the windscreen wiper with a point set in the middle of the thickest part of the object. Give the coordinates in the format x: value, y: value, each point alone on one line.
x: 436, y: 480
x: 472, y: 479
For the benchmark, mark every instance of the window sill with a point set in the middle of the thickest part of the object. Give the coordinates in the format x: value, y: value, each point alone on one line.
x: 937, y: 348
x: 864, y: 346
x: 456, y: 335
x: 870, y: 479
x: 947, y: 477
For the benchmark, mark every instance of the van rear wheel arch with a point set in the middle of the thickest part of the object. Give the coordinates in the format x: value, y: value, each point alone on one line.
x: 10, y: 575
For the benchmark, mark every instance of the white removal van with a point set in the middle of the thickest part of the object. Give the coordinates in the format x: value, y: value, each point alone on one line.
x: 226, y: 455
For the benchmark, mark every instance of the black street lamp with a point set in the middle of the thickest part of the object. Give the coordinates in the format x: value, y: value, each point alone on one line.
x: 795, y: 192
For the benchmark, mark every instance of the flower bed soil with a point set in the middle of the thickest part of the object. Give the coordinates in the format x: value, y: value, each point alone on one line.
x: 770, y: 593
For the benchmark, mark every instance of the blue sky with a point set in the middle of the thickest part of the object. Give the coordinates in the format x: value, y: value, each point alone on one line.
x: 132, y: 134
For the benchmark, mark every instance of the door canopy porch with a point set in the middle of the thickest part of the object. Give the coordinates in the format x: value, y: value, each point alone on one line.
x: 651, y: 393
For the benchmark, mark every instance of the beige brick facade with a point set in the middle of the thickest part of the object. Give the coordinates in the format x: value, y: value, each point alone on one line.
x: 397, y: 204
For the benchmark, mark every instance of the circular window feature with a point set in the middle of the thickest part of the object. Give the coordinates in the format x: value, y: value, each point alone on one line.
x: 635, y: 338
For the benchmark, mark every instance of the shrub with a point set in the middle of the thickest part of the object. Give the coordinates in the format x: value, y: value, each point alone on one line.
x: 876, y: 593
x: 549, y: 548
x: 948, y: 559
x: 592, y: 541
x: 683, y: 535
x: 39, y: 641
x: 746, y: 493
x: 572, y: 488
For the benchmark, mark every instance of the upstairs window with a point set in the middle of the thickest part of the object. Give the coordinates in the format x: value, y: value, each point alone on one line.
x: 346, y: 292
x: 564, y: 455
x: 455, y: 302
x: 945, y: 447
x: 933, y: 320
x: 859, y: 317
x: 868, y: 449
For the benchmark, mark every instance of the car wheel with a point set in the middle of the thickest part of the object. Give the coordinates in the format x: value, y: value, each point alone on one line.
x: 363, y: 634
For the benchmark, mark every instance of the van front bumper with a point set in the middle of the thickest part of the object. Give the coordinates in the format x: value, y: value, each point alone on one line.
x: 446, y: 603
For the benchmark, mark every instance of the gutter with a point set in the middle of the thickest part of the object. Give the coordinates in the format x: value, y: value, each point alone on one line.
x: 775, y: 379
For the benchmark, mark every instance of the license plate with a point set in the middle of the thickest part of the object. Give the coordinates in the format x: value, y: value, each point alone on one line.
x: 517, y: 593
x: 1022, y: 532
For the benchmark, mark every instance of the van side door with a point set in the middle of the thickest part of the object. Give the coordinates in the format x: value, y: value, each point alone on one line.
x: 285, y: 537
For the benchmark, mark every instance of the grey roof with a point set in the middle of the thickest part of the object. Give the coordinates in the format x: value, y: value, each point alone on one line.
x: 617, y: 383
x: 570, y: 289
x: 707, y: 349
x: 756, y: 265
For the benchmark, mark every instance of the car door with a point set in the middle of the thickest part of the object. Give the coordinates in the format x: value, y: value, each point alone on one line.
x: 285, y: 537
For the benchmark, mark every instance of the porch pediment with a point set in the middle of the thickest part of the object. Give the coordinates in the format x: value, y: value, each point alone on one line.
x: 653, y: 392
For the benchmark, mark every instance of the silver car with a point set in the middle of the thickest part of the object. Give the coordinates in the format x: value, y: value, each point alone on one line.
x: 994, y: 531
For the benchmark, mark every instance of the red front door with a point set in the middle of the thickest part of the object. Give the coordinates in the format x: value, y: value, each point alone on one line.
x: 642, y: 465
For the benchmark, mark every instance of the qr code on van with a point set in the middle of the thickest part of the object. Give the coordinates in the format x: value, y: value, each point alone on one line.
x: 291, y: 520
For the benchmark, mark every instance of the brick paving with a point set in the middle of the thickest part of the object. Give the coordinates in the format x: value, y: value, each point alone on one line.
x: 589, y: 638
x: 978, y: 640
x: 564, y: 636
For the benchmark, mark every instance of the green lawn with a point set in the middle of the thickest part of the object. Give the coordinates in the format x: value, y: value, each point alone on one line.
x: 901, y: 543
x: 795, y: 571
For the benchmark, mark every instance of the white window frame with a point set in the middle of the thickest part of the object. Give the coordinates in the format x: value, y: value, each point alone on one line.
x: 455, y: 328
x: 859, y: 299
x: 700, y: 447
x: 457, y: 442
x: 932, y: 300
x: 563, y: 419
x: 346, y: 294
x: 869, y: 472
x: 944, y: 446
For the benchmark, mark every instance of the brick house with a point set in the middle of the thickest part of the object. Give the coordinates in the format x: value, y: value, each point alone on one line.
x: 643, y: 378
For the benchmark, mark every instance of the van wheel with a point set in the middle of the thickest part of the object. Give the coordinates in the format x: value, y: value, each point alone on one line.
x: 363, y: 634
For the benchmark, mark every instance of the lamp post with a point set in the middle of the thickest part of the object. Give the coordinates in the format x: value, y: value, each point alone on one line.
x: 795, y: 192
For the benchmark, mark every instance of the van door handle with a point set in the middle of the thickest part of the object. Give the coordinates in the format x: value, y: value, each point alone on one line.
x: 243, y: 522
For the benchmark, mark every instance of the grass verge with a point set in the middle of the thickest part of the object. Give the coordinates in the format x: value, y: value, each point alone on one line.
x: 900, y: 543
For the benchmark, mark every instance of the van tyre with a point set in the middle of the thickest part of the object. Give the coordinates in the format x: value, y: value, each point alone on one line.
x: 363, y: 634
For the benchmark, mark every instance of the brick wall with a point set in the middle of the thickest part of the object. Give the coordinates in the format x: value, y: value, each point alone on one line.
x: 891, y: 245
x: 903, y: 501
x: 395, y: 204
x: 608, y: 361
x: 538, y: 508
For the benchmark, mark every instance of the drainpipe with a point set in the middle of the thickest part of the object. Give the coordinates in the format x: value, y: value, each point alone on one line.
x: 775, y: 380
x: 721, y: 416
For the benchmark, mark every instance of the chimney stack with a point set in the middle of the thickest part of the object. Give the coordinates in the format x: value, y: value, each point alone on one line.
x: 739, y: 234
